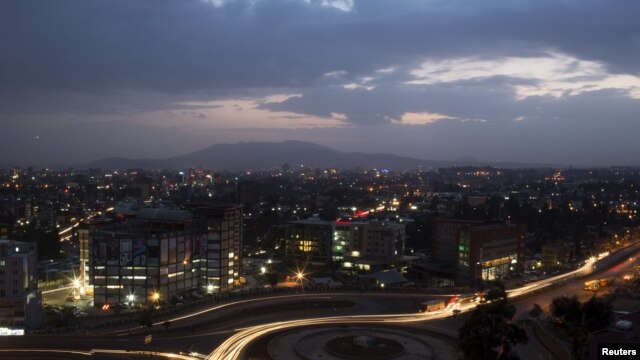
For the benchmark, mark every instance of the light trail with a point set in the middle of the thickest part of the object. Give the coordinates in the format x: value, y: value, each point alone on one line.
x: 218, y: 307
x: 234, y: 346
x: 57, y: 290
x: 192, y: 356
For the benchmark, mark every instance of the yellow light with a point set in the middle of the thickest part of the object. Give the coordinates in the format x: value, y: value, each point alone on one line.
x: 156, y: 296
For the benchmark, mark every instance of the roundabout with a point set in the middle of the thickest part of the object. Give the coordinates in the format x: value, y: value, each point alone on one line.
x: 356, y: 343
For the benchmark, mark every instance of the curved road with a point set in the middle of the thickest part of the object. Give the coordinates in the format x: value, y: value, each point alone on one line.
x: 234, y: 347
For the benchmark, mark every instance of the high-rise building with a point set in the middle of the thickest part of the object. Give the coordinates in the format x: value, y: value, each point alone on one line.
x: 444, y: 245
x: 20, y: 299
x: 490, y: 252
x: 378, y: 245
x: 310, y: 239
x: 362, y: 245
x: 164, y: 253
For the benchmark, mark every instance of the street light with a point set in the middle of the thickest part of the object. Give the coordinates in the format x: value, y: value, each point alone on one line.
x: 300, y: 277
x: 209, y: 289
x: 156, y: 297
x: 263, y: 270
x: 77, y: 290
x: 131, y: 298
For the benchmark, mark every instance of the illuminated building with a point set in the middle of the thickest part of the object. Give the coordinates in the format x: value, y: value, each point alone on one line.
x: 310, y: 239
x: 358, y: 245
x: 20, y: 298
x: 467, y: 252
x: 379, y: 245
x: 164, y: 253
x: 490, y: 252
x: 444, y: 244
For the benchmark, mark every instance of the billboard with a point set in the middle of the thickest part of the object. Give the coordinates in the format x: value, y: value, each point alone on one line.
x: 113, y: 252
x: 99, y: 252
x: 139, y: 252
x: 125, y: 252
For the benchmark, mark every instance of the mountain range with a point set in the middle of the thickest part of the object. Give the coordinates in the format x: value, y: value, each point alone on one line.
x: 268, y: 155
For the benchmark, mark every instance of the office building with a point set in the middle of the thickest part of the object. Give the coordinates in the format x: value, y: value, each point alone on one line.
x: 310, y: 240
x: 490, y: 252
x: 378, y: 245
x: 357, y: 245
x: 164, y: 253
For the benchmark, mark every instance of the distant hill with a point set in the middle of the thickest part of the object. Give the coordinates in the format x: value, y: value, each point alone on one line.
x: 266, y: 155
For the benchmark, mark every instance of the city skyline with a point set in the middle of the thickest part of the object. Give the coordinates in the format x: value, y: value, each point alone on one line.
x: 528, y: 81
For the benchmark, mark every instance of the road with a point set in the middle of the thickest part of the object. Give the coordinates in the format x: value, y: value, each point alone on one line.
x: 371, y: 308
x: 541, y: 292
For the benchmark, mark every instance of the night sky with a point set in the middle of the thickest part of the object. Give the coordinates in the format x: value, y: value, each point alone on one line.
x: 544, y: 81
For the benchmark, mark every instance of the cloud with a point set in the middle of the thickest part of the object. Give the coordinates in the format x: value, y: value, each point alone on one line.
x: 422, y: 118
x: 344, y: 5
x: 239, y: 113
x: 364, y: 82
x: 322, y: 67
x: 554, y: 74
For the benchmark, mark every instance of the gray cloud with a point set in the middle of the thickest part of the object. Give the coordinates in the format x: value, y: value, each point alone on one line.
x: 85, y: 64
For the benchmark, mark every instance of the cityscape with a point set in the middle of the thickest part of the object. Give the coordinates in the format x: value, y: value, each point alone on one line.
x: 319, y: 179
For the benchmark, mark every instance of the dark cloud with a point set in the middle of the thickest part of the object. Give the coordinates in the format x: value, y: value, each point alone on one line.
x: 82, y: 64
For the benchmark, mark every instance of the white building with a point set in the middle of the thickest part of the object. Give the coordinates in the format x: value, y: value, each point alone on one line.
x: 20, y: 299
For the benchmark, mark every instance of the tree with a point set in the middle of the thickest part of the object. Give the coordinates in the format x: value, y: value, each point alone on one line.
x: 567, y: 309
x: 495, y: 292
x: 146, y: 319
x: 489, y: 332
x: 272, y: 279
x: 597, y: 313
x: 536, y: 311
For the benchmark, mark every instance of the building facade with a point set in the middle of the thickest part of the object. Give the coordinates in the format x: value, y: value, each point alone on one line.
x: 20, y: 298
x: 446, y: 233
x: 310, y: 240
x: 356, y: 245
x: 490, y: 252
x: 380, y: 245
x: 162, y: 254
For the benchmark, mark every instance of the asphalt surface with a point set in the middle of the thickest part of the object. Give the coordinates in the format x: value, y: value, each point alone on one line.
x: 201, y: 339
